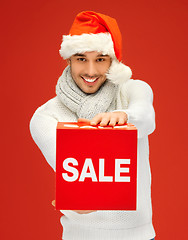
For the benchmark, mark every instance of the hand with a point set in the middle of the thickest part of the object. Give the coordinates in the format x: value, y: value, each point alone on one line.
x: 84, y: 211
x: 109, y: 118
x: 78, y: 211
x: 53, y: 203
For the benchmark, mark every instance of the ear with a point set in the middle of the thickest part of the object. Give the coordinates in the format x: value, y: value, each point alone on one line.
x: 68, y: 61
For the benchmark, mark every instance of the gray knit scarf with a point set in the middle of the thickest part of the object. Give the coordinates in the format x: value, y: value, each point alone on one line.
x: 83, y: 104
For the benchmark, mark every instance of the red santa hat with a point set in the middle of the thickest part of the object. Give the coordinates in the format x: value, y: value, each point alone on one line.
x: 93, y: 31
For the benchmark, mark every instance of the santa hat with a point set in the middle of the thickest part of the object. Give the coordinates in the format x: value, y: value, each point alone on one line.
x: 93, y: 31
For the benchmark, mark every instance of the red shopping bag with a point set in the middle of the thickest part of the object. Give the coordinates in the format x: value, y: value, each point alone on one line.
x: 96, y: 167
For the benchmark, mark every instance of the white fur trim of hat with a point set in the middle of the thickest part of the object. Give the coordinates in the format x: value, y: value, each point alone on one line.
x: 118, y: 72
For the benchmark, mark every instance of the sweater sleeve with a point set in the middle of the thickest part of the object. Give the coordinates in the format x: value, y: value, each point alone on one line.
x: 140, y: 109
x: 43, y: 131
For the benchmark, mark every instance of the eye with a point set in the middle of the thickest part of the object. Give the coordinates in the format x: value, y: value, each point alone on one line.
x: 100, y: 59
x: 81, y: 59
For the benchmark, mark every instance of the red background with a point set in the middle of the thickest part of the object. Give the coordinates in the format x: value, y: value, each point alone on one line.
x: 155, y: 47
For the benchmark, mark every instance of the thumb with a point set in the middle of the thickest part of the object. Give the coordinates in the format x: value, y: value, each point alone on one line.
x: 53, y: 203
x: 83, y: 120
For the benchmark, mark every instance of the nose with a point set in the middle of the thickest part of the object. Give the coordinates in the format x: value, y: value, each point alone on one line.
x: 91, y: 70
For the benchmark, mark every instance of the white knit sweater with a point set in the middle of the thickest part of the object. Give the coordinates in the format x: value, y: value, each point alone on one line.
x: 136, y: 99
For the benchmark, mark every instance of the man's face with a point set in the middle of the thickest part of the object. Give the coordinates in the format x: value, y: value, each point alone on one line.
x: 88, y: 70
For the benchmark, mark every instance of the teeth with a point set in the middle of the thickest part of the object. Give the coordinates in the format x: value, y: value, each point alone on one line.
x: 89, y: 79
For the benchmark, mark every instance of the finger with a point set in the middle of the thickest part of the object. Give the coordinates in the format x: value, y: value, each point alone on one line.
x: 105, y: 121
x: 53, y: 203
x: 83, y: 120
x: 121, y: 121
x: 90, y: 211
x: 84, y: 211
x: 113, y: 121
x: 96, y: 119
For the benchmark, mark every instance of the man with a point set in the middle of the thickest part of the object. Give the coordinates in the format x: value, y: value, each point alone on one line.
x: 97, y: 88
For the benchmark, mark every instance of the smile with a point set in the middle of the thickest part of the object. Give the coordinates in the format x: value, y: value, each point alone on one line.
x: 90, y: 80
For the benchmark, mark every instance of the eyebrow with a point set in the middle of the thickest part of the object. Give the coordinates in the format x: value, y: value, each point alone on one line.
x: 83, y: 55
x: 102, y: 55
x: 79, y: 55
